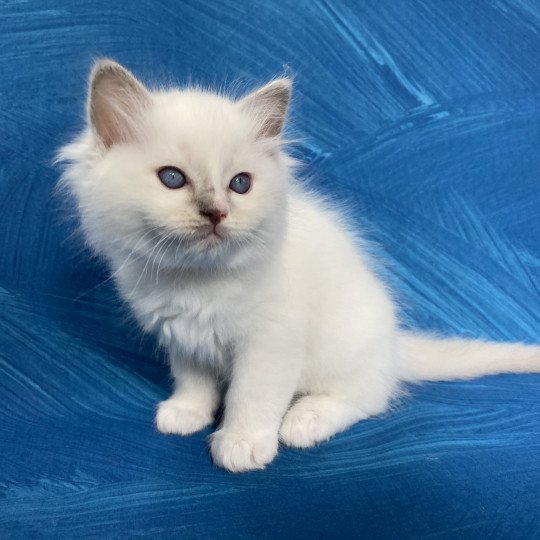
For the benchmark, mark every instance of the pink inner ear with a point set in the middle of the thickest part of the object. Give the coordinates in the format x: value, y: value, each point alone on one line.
x: 117, y: 104
x: 269, y: 106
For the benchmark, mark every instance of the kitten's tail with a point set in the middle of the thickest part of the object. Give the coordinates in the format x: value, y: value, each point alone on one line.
x: 432, y: 359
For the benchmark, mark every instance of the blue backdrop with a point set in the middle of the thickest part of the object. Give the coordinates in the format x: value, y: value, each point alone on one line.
x: 424, y: 117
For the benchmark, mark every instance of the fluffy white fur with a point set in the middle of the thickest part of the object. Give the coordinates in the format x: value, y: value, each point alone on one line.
x: 277, y: 309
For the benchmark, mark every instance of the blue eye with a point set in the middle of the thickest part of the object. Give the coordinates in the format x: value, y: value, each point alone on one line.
x: 172, y: 177
x: 240, y: 183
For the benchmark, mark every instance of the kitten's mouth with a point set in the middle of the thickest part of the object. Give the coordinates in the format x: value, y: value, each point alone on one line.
x: 205, y: 236
x: 212, y: 235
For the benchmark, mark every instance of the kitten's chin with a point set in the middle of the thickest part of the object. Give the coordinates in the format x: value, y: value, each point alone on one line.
x: 219, y: 249
x: 211, y: 240
x: 204, y: 248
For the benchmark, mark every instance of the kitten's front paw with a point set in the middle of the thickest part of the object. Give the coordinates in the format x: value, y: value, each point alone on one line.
x: 173, y: 417
x: 241, y: 451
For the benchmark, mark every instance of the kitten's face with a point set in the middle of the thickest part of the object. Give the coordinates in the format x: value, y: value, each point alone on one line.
x: 185, y: 178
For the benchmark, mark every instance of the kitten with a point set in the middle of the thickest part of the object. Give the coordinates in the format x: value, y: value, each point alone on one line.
x: 254, y: 286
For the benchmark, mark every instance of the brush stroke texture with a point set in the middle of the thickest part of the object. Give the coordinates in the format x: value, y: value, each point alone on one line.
x: 425, y: 118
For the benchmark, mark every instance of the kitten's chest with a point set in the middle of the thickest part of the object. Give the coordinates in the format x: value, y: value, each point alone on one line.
x: 198, y: 324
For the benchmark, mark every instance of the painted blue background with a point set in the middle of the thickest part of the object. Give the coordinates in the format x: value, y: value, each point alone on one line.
x: 424, y: 116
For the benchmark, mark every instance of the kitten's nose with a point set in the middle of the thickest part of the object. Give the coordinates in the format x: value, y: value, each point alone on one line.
x: 215, y: 216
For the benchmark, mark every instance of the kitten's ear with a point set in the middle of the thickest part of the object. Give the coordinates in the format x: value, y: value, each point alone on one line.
x: 116, y: 102
x: 269, y: 105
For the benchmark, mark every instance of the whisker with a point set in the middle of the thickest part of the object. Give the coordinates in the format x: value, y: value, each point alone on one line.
x: 163, y: 255
x: 123, y: 265
x: 144, y: 270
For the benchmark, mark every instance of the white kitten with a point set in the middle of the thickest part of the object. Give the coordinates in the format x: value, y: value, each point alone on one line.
x: 254, y: 286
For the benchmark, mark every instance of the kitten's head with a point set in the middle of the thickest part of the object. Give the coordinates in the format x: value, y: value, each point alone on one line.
x: 187, y: 178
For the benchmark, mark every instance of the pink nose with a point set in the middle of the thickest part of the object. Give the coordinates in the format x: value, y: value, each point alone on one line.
x: 215, y: 216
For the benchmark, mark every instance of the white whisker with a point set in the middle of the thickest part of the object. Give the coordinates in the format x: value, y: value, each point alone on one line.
x: 125, y: 263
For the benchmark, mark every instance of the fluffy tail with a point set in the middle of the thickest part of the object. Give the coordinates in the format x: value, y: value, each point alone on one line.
x: 432, y: 359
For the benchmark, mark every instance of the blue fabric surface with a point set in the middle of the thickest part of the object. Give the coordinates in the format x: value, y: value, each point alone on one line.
x: 424, y: 117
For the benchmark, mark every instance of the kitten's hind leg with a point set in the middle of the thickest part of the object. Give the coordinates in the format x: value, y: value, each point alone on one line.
x: 358, y: 382
x: 316, y: 418
x: 193, y: 403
